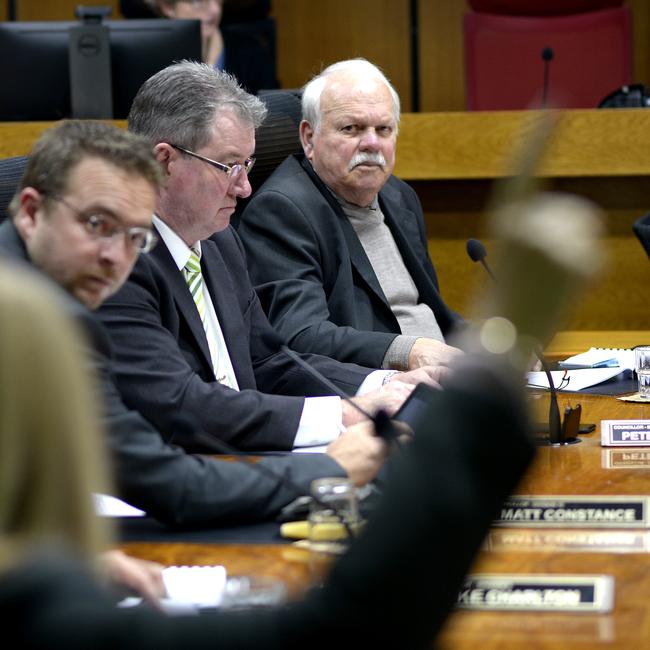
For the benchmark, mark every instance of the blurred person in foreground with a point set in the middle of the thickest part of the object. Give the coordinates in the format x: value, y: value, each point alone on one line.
x: 82, y: 216
x: 336, y: 244
x: 49, y: 410
x: 452, y: 478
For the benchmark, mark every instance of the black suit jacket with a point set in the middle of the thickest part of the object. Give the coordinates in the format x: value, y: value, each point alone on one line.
x: 169, y: 484
x: 312, y: 275
x: 394, y: 587
x: 163, y: 363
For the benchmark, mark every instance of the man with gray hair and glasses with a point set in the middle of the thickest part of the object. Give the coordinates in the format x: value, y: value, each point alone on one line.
x: 336, y: 244
x: 190, y: 336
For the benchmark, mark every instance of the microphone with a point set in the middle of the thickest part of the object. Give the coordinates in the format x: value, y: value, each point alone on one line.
x: 185, y: 424
x: 477, y: 253
x: 547, y: 57
x: 381, y: 420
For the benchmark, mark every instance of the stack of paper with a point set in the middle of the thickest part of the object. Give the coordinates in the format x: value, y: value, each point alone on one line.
x: 600, y: 358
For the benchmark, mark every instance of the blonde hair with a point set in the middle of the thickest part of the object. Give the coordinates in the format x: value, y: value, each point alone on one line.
x: 50, y: 455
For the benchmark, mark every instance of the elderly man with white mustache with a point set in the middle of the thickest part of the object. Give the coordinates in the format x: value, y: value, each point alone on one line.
x: 336, y: 244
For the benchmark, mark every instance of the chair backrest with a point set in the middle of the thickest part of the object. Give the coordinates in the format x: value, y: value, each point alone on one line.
x: 276, y: 139
x: 504, y: 66
x: 540, y: 7
x: 641, y: 228
x: 11, y: 171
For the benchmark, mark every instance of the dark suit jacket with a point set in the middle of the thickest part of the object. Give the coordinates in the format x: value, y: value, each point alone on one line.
x: 394, y: 587
x: 169, y: 484
x: 163, y: 363
x: 313, y: 277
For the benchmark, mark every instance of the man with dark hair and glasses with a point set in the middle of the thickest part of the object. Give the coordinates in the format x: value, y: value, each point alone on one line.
x: 189, y: 333
x: 82, y: 215
x: 82, y: 211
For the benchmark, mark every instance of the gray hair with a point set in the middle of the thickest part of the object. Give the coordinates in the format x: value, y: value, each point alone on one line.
x: 180, y: 103
x: 313, y: 89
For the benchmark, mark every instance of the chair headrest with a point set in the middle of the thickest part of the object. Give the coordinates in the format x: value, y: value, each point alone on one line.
x: 11, y: 172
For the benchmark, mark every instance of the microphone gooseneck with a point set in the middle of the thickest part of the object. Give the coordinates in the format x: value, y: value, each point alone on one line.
x: 382, y: 421
x: 477, y: 253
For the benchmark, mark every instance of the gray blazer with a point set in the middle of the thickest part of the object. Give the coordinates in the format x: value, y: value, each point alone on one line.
x: 313, y: 277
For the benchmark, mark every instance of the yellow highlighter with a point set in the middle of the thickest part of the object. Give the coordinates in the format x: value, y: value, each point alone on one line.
x: 327, y: 531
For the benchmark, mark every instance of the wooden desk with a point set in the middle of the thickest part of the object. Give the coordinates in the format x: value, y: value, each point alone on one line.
x: 576, y: 469
x: 571, y: 342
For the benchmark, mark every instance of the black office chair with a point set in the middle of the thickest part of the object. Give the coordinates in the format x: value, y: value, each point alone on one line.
x: 11, y: 171
x: 276, y: 139
x: 641, y: 229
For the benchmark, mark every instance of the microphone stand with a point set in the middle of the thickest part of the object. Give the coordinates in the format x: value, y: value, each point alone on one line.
x: 557, y: 433
x: 547, y: 57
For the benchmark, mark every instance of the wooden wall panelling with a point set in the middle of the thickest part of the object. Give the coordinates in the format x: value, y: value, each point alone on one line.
x: 442, y: 76
x: 59, y: 10
x: 641, y: 25
x: 311, y: 35
x: 455, y: 211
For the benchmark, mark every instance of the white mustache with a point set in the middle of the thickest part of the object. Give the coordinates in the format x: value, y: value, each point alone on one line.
x: 365, y: 158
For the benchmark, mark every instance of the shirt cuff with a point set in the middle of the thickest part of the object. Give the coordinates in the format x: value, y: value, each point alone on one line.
x: 376, y: 379
x: 397, y: 355
x: 320, y: 423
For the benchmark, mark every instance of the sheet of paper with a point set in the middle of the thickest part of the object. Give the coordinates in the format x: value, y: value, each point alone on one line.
x: 601, y: 358
x: 108, y: 506
x: 189, y: 588
x: 573, y: 379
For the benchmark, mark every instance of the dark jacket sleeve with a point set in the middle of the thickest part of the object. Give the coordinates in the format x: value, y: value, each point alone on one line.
x: 181, y: 489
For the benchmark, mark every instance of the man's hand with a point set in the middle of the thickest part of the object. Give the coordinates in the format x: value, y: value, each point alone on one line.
x: 387, y: 398
x: 431, y: 375
x: 429, y: 352
x: 359, y: 451
x: 143, y: 577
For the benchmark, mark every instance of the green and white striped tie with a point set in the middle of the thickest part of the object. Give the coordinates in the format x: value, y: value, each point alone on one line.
x: 194, y: 279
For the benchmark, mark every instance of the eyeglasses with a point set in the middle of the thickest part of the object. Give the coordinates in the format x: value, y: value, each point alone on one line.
x: 100, y: 226
x: 231, y: 171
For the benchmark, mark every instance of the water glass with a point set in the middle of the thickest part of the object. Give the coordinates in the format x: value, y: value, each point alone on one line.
x: 642, y: 367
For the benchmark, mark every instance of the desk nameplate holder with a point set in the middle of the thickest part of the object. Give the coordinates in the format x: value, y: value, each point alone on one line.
x: 626, y: 459
x: 625, y: 433
x: 543, y: 592
x: 571, y: 511
x: 572, y: 541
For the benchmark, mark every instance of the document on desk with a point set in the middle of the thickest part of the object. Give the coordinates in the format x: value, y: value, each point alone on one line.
x: 189, y: 589
x: 573, y: 380
x: 600, y: 358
